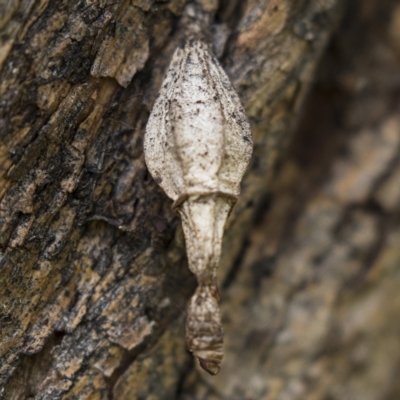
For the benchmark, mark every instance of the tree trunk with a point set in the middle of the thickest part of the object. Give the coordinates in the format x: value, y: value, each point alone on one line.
x: 94, y: 277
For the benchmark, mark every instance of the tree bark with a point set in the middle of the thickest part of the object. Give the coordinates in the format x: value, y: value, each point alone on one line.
x: 94, y: 277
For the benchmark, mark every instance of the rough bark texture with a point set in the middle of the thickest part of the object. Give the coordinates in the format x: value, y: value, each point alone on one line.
x: 94, y: 277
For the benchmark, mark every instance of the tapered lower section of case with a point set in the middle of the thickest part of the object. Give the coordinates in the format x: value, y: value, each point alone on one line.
x: 203, y: 219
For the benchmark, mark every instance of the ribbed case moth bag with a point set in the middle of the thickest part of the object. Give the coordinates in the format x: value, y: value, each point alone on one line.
x: 197, y: 146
